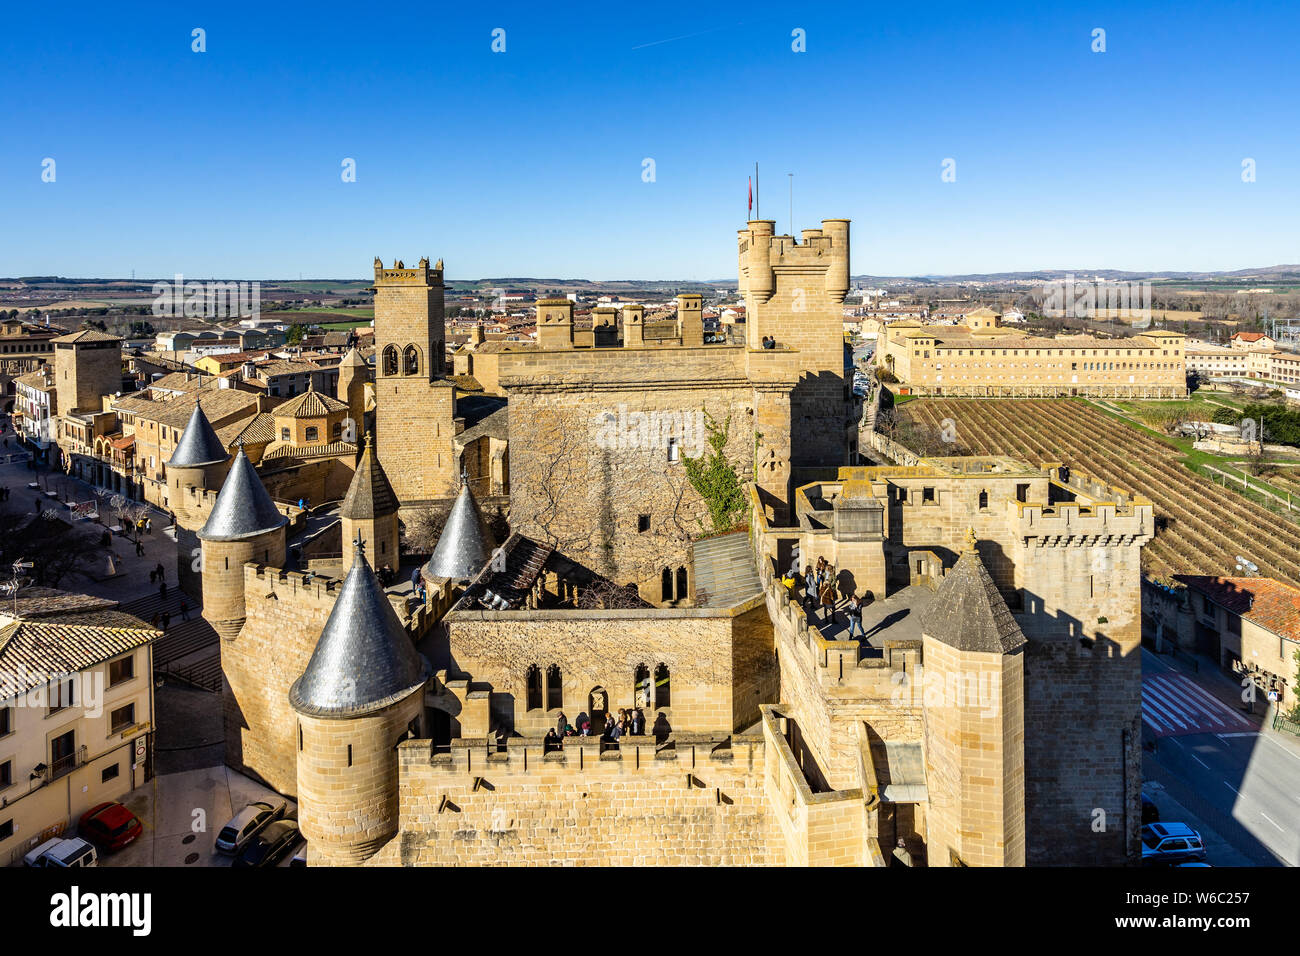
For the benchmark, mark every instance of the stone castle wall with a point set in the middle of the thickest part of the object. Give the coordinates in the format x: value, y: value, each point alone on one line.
x: 584, y: 467
x: 696, y: 804
x: 720, y: 664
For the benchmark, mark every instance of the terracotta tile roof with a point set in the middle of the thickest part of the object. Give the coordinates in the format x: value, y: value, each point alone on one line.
x: 1244, y: 336
x: 335, y: 449
x: 35, y: 380
x: 284, y: 367
x: 87, y: 335
x: 123, y: 442
x: 258, y: 430
x: 1270, y: 603
x: 31, y: 652
x: 47, y: 602
x: 310, y: 404
x: 181, y: 381
x: 218, y: 403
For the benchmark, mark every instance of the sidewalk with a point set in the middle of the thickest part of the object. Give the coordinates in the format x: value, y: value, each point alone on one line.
x: 131, y: 582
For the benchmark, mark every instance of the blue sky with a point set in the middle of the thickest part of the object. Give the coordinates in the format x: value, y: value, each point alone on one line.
x: 529, y: 162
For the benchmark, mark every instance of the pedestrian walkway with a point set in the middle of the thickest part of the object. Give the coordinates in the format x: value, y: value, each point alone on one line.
x: 1174, y: 705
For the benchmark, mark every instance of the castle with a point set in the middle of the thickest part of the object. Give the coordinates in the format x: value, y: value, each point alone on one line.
x: 989, y: 715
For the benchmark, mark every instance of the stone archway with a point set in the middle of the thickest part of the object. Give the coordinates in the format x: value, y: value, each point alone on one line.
x: 597, y: 707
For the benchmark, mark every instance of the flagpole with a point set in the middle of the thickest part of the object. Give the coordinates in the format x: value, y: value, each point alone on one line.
x: 758, y: 210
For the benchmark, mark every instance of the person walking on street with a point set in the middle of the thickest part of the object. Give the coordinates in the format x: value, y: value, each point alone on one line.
x: 185, y: 610
x: 162, y: 590
x: 166, y: 620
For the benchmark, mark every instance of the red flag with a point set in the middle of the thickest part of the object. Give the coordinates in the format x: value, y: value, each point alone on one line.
x: 751, y: 193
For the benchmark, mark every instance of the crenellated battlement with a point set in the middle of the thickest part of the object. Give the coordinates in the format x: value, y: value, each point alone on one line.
x: 679, y: 754
x: 421, y: 275
x: 822, y: 252
x: 1073, y: 523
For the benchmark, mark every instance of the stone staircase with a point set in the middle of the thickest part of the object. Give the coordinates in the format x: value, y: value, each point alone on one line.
x: 725, y: 574
x: 189, y: 651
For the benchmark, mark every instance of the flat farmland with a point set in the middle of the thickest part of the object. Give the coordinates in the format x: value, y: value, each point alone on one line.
x: 1201, y: 527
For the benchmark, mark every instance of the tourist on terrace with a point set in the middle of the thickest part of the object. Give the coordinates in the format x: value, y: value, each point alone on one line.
x: 638, y: 723
x: 854, y: 613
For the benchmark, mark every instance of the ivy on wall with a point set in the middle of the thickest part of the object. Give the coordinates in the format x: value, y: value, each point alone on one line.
x: 715, y: 479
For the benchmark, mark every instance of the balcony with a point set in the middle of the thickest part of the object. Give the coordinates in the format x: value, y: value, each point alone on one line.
x: 63, y: 766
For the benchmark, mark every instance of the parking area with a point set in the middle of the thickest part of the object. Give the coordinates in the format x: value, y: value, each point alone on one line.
x: 182, y: 814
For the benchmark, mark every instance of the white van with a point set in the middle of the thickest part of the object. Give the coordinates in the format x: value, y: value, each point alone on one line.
x: 59, y: 852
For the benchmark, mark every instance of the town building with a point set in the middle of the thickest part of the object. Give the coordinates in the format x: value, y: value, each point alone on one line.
x: 76, y: 712
x: 983, y: 358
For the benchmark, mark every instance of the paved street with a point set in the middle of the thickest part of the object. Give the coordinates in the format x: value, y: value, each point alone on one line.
x: 1242, y: 782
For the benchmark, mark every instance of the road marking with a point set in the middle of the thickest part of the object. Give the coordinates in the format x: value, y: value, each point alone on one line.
x: 1232, y: 788
x: 1253, y: 733
x: 1266, y: 817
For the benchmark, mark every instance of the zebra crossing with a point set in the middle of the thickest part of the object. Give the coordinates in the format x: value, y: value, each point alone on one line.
x: 1173, y: 705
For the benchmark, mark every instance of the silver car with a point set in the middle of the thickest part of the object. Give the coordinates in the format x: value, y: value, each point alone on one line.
x: 246, y: 824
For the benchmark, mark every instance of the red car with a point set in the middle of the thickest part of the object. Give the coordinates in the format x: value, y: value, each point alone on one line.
x: 110, y: 826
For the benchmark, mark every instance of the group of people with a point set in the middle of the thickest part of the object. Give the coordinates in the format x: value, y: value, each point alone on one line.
x: 820, y: 591
x: 769, y: 341
x: 628, y: 723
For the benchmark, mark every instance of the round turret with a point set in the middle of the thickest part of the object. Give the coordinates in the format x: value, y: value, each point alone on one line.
x: 244, y: 526
x: 361, y: 693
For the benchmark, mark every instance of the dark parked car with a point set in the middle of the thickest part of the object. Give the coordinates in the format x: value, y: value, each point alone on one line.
x: 110, y: 826
x: 1164, y: 844
x: 1150, y: 814
x: 270, y: 846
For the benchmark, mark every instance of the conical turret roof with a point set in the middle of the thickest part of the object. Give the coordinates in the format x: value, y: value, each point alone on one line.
x: 370, y: 495
x: 199, y: 444
x: 967, y: 611
x: 466, y: 544
x: 364, y: 660
x: 243, y: 507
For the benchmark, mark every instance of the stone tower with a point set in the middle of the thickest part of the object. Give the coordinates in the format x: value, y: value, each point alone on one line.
x: 415, y: 407
x: 87, y: 366
x: 690, y: 319
x: 198, y: 465
x: 353, y: 376
x: 369, y: 512
x: 973, y: 684
x: 361, y: 693
x: 554, y: 324
x: 794, y: 293
x: 244, y: 526
x: 1079, y: 571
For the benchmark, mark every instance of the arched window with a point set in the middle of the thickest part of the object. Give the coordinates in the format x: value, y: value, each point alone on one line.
x: 682, y: 589
x: 666, y: 584
x: 390, y: 360
x: 644, y: 687
x: 411, y: 363
x: 312, y: 433
x: 554, y: 688
x: 533, y: 681
x: 984, y: 499
x: 663, y: 688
